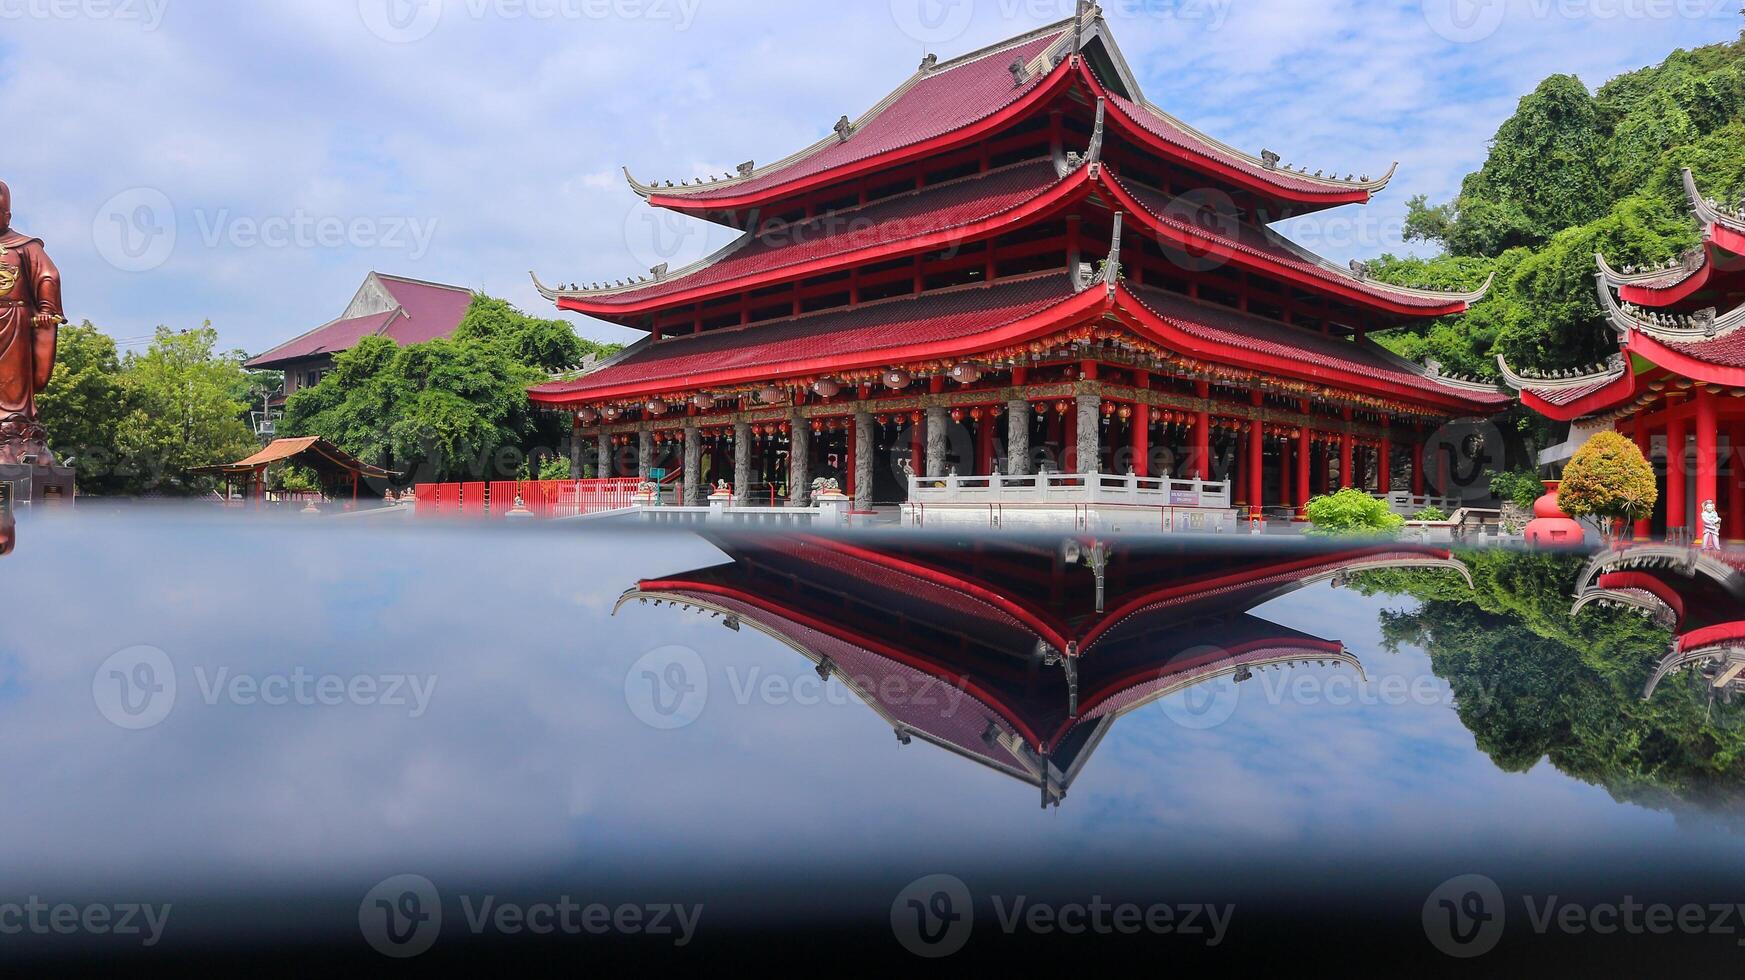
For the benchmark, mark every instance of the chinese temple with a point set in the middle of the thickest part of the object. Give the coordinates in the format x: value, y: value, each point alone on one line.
x: 1020, y: 653
x: 1677, y: 383
x: 1013, y: 262
x: 1699, y: 595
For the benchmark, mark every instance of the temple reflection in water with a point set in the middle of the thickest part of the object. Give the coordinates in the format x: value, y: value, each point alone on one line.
x: 1044, y: 643
x: 1699, y: 595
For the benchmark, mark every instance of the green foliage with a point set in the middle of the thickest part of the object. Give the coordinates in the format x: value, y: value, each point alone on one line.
x: 447, y: 409
x: 1351, y: 511
x: 1608, y: 477
x: 1570, y: 175
x: 1431, y: 514
x: 183, y: 409
x: 550, y: 345
x: 1519, y: 487
x: 1533, y: 682
x: 83, y: 404
x: 139, y: 424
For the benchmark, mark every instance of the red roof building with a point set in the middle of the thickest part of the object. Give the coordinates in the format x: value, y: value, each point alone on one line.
x: 406, y: 311
x: 1013, y: 260
x: 1677, y: 383
x: 1020, y: 653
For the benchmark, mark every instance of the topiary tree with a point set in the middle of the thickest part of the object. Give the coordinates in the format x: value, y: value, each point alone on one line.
x: 1351, y: 511
x: 1608, y: 478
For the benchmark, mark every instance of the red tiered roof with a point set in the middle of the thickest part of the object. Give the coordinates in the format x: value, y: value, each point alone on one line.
x: 959, y: 101
x: 925, y: 219
x: 825, y: 342
x: 1713, y: 274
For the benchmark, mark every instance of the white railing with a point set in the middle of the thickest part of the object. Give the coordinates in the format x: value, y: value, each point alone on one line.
x: 1069, y: 489
x: 1408, y: 504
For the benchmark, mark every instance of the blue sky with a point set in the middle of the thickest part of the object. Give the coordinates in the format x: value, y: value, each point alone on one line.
x: 294, y: 145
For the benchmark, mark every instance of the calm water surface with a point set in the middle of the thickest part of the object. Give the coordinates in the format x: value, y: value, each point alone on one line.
x: 1339, y: 751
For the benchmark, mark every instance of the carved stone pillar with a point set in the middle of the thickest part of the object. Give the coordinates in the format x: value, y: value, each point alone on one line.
x: 693, y: 466
x: 1089, y: 434
x: 800, y: 465
x: 741, y: 463
x: 1018, y: 437
x: 865, y: 441
x: 603, y: 469
x: 644, y: 453
x: 937, y: 420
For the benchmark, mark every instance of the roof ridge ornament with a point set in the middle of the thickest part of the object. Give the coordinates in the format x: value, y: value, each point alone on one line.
x: 1019, y: 72
x: 844, y: 129
x: 746, y: 168
x: 1270, y: 159
x: 929, y: 63
x: 1111, y: 272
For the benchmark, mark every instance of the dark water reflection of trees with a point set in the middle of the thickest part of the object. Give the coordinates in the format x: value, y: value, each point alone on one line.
x: 1532, y: 682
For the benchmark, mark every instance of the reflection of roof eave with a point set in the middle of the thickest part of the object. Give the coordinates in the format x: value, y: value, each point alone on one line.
x: 1679, y: 660
x: 1450, y: 563
x: 1663, y: 557
x: 1635, y: 598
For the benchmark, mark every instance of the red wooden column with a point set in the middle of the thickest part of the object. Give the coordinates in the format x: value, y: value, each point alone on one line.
x: 1735, y: 516
x: 1305, y: 450
x: 1257, y: 460
x: 1142, y: 430
x: 1345, y: 454
x: 1708, y: 448
x: 1203, y: 437
x: 1676, y: 513
x: 1645, y: 442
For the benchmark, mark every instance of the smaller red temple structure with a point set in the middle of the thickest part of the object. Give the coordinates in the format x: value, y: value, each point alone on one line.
x: 1677, y: 384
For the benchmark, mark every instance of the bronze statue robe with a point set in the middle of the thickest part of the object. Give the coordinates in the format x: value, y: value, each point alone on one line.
x: 29, y: 284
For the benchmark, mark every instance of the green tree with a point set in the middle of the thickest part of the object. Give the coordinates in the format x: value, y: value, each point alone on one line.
x: 1608, y: 477
x: 550, y: 345
x: 1352, y: 511
x: 183, y: 412
x: 83, y: 405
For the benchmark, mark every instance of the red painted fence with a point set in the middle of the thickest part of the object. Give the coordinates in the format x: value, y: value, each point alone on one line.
x: 544, y: 498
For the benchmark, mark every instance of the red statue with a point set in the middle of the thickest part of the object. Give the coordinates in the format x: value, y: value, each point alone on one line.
x: 30, y: 318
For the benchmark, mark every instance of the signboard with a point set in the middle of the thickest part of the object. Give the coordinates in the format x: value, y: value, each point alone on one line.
x: 1184, y: 498
x: 656, y: 473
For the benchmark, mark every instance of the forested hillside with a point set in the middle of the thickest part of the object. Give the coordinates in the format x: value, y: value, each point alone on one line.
x: 1573, y: 173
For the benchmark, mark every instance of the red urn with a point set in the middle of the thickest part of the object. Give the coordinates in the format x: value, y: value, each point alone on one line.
x: 1550, y: 526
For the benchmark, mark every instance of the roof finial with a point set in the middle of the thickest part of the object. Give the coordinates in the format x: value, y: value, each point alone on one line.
x: 1078, y: 25
x: 844, y: 129
x: 1112, y: 264
x: 1017, y: 70
x: 747, y: 167
x: 1270, y: 158
x: 930, y: 62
